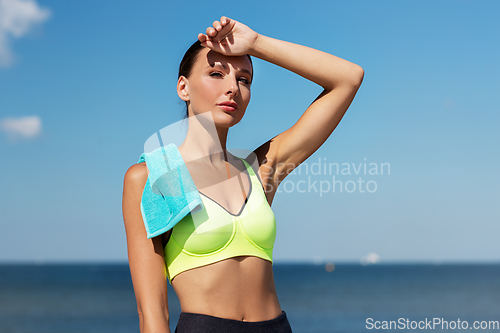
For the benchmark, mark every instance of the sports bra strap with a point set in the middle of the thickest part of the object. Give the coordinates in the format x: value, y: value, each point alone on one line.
x: 248, y: 167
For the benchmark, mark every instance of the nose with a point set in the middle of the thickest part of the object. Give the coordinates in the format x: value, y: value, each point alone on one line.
x: 232, y: 88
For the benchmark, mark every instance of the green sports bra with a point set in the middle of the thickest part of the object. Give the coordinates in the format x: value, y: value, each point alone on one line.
x: 213, y: 234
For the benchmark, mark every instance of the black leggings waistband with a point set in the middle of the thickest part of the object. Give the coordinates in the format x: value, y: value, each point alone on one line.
x: 202, y: 323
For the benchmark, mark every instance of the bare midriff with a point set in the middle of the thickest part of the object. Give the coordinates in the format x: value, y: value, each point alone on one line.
x: 239, y: 288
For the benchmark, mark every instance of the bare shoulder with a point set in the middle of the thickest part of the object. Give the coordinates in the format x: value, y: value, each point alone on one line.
x: 136, y: 175
x: 133, y: 186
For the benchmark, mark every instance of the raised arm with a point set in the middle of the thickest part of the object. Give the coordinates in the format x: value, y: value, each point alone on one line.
x: 339, y: 78
x: 147, y: 265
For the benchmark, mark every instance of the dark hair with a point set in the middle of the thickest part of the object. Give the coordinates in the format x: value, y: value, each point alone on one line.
x: 188, y: 62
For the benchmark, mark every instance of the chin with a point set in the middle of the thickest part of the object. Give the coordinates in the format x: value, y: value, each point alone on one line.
x: 226, y: 120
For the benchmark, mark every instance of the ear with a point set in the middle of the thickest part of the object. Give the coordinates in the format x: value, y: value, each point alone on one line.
x: 182, y: 88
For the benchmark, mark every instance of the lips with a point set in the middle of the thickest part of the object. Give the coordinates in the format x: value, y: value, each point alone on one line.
x: 228, y: 106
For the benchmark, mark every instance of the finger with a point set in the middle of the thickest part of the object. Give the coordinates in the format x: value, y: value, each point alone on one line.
x: 221, y: 35
x: 212, y: 45
x: 225, y: 46
x: 230, y: 39
x: 224, y: 20
x: 217, y: 25
x: 211, y: 32
x: 202, y: 37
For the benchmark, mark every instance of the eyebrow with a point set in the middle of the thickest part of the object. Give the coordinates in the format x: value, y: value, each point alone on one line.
x: 224, y: 66
x: 246, y: 71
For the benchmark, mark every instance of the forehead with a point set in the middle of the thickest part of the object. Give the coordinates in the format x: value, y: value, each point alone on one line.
x: 209, y: 58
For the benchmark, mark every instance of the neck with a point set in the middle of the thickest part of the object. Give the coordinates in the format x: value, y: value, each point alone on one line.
x: 204, y: 141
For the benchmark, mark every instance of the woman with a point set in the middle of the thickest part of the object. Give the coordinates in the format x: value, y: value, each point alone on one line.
x: 230, y: 290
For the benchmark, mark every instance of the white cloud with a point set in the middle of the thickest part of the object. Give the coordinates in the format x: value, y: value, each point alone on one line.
x: 17, y: 18
x: 21, y: 128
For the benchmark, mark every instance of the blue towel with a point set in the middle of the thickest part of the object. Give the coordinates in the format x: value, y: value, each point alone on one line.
x: 170, y: 193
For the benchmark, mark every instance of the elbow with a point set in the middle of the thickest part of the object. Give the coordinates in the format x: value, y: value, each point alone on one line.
x: 358, y: 73
x: 351, y: 79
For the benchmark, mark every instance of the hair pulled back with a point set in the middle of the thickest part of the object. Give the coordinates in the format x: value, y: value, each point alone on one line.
x: 188, y: 61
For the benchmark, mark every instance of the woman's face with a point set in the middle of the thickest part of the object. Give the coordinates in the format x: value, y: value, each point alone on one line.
x: 220, y: 84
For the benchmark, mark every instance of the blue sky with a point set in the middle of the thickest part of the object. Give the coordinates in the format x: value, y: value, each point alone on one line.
x: 96, y: 79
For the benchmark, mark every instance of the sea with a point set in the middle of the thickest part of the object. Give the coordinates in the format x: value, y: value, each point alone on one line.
x: 318, y: 298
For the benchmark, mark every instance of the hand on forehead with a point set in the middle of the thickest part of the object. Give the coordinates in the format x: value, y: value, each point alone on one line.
x: 241, y: 63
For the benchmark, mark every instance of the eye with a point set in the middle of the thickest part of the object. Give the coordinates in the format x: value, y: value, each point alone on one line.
x: 216, y: 74
x: 244, y: 80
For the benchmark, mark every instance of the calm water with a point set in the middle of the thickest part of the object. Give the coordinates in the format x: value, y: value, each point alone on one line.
x: 100, y: 298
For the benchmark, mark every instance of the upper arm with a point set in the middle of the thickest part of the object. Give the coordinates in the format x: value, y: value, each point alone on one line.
x: 283, y: 153
x: 146, y: 261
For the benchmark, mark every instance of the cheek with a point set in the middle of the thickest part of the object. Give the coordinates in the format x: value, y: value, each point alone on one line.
x: 207, y: 89
x: 246, y: 94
